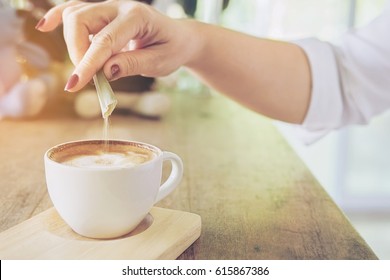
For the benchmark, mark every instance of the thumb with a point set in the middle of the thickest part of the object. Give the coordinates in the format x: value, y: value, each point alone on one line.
x: 145, y: 62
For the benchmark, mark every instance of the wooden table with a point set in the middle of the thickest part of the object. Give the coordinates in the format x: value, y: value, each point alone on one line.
x: 256, y: 198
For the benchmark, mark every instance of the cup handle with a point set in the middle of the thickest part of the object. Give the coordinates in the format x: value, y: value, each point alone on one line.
x: 174, y: 178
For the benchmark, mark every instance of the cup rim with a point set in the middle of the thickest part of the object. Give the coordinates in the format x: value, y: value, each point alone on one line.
x: 153, y: 148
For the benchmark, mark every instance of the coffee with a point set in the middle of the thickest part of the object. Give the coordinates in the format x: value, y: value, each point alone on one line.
x: 106, y: 200
x: 97, y: 154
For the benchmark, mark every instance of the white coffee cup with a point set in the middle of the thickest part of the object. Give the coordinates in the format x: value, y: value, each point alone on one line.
x: 107, y: 201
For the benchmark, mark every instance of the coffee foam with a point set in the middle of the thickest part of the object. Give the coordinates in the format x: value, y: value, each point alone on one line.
x: 95, y: 154
x: 128, y: 159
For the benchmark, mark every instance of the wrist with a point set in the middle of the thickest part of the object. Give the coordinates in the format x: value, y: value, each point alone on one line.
x: 195, y: 40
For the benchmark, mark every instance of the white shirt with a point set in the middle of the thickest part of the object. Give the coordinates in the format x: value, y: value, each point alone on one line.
x: 350, y: 80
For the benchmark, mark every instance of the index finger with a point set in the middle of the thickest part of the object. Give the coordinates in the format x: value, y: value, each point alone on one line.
x: 53, y: 18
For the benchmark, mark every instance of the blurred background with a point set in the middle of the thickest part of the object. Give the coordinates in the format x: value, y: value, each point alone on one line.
x: 352, y: 164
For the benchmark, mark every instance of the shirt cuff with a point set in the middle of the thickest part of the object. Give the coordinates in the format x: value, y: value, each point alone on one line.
x: 325, y: 107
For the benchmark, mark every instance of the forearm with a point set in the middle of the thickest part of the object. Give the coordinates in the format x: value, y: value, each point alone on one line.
x: 269, y: 77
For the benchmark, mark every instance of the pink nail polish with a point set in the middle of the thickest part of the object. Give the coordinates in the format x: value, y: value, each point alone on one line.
x: 72, y: 82
x: 114, y: 70
x: 40, y: 23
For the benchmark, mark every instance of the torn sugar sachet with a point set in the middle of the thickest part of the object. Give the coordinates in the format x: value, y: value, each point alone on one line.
x: 105, y: 94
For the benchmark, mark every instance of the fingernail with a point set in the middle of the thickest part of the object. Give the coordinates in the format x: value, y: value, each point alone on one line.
x: 114, y: 70
x: 40, y: 23
x: 73, y: 80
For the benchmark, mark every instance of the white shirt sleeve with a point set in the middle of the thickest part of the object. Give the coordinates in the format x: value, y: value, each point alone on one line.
x: 350, y: 80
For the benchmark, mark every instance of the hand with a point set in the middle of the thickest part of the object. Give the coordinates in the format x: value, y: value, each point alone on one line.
x: 130, y: 38
x: 122, y: 37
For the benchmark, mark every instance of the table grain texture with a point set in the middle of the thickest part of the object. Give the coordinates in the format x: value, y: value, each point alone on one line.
x: 256, y: 198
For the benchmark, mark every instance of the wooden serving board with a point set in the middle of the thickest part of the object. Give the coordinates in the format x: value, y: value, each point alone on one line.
x: 163, y: 234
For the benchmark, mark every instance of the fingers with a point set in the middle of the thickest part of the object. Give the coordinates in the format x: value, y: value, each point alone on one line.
x: 113, y: 25
x: 102, y: 47
x: 79, y: 23
x: 80, y: 20
x: 107, y: 42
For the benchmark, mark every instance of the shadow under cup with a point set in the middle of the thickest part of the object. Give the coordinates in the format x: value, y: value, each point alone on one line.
x: 110, y: 198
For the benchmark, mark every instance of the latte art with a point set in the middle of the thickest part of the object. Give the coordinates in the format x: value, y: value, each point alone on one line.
x: 102, y: 154
x: 105, y: 160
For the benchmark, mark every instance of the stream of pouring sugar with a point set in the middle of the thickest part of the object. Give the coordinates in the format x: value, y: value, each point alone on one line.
x: 106, y: 129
